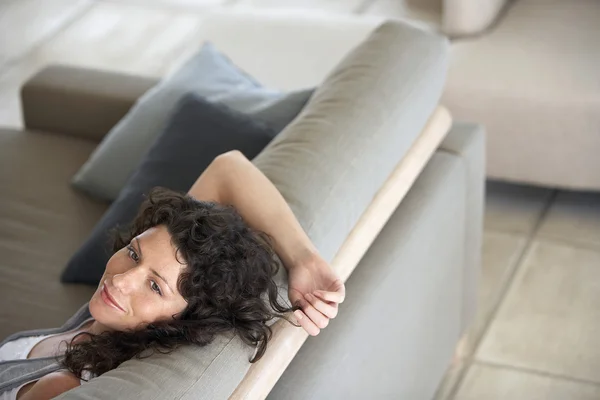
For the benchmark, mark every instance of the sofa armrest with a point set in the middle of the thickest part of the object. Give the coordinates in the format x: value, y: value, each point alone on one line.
x: 80, y: 102
x: 467, y: 141
x: 469, y: 17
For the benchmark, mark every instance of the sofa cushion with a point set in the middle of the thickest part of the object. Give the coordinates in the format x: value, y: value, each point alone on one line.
x: 209, y: 74
x: 196, y: 133
x: 328, y: 163
x: 42, y: 222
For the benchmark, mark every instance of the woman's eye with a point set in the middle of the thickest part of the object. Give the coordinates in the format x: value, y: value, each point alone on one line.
x: 133, y: 255
x: 155, y: 287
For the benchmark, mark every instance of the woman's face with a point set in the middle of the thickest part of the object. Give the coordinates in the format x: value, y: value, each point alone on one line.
x: 139, y: 285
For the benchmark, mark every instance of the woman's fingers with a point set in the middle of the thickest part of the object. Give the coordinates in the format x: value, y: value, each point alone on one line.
x: 319, y: 307
x: 328, y: 309
x: 306, y: 323
x: 315, y: 316
x: 336, y: 294
x: 336, y: 297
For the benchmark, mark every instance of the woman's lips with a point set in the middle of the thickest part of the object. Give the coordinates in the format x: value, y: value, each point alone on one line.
x: 108, y: 299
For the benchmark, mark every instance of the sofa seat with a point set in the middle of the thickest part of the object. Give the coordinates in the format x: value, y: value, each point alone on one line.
x: 42, y: 222
x: 533, y: 82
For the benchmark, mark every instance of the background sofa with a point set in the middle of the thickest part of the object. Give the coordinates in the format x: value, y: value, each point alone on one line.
x: 528, y: 71
x: 533, y: 81
x: 408, y: 300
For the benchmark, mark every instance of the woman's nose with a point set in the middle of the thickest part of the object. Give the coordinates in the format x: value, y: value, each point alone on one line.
x: 128, y: 281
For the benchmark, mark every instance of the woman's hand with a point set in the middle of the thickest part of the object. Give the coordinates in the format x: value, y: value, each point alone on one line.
x: 314, y: 286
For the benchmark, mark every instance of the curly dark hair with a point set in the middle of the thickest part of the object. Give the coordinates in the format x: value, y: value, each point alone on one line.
x: 229, y: 268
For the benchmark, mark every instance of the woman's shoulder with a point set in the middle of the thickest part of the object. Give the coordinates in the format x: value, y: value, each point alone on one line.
x: 52, y: 385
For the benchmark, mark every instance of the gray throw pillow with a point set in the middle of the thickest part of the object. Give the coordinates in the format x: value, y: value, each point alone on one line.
x: 197, y: 132
x: 209, y: 74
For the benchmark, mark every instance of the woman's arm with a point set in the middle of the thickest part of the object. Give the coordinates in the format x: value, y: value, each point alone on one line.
x: 50, y: 386
x: 232, y: 179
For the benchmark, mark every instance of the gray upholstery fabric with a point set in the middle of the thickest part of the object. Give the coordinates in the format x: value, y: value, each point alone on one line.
x: 339, y: 150
x: 208, y: 74
x: 42, y: 222
x: 395, y: 333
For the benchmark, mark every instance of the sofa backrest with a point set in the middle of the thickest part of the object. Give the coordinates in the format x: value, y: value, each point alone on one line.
x: 333, y: 161
x: 329, y: 164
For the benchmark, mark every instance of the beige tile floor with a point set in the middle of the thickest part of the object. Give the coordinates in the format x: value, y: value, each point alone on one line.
x: 537, y: 333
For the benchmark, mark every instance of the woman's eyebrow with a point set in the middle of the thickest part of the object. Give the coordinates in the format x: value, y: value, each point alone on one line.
x: 139, y: 247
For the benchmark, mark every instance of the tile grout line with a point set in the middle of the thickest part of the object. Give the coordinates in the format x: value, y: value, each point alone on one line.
x: 518, y: 264
x: 591, y: 246
x: 533, y: 371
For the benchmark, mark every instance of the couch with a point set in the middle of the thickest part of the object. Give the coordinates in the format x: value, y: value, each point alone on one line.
x: 398, y: 212
x: 528, y: 71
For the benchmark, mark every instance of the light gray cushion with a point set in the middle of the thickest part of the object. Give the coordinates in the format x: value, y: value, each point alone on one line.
x: 329, y: 163
x: 208, y: 74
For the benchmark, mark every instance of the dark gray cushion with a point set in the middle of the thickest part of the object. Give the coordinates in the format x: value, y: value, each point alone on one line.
x: 210, y: 74
x: 197, y: 132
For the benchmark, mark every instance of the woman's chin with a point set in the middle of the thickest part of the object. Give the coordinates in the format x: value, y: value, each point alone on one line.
x: 100, y: 311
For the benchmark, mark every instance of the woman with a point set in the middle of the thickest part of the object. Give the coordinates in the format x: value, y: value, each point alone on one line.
x: 191, y: 267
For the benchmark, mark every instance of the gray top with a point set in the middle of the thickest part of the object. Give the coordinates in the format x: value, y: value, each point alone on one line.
x: 14, y: 373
